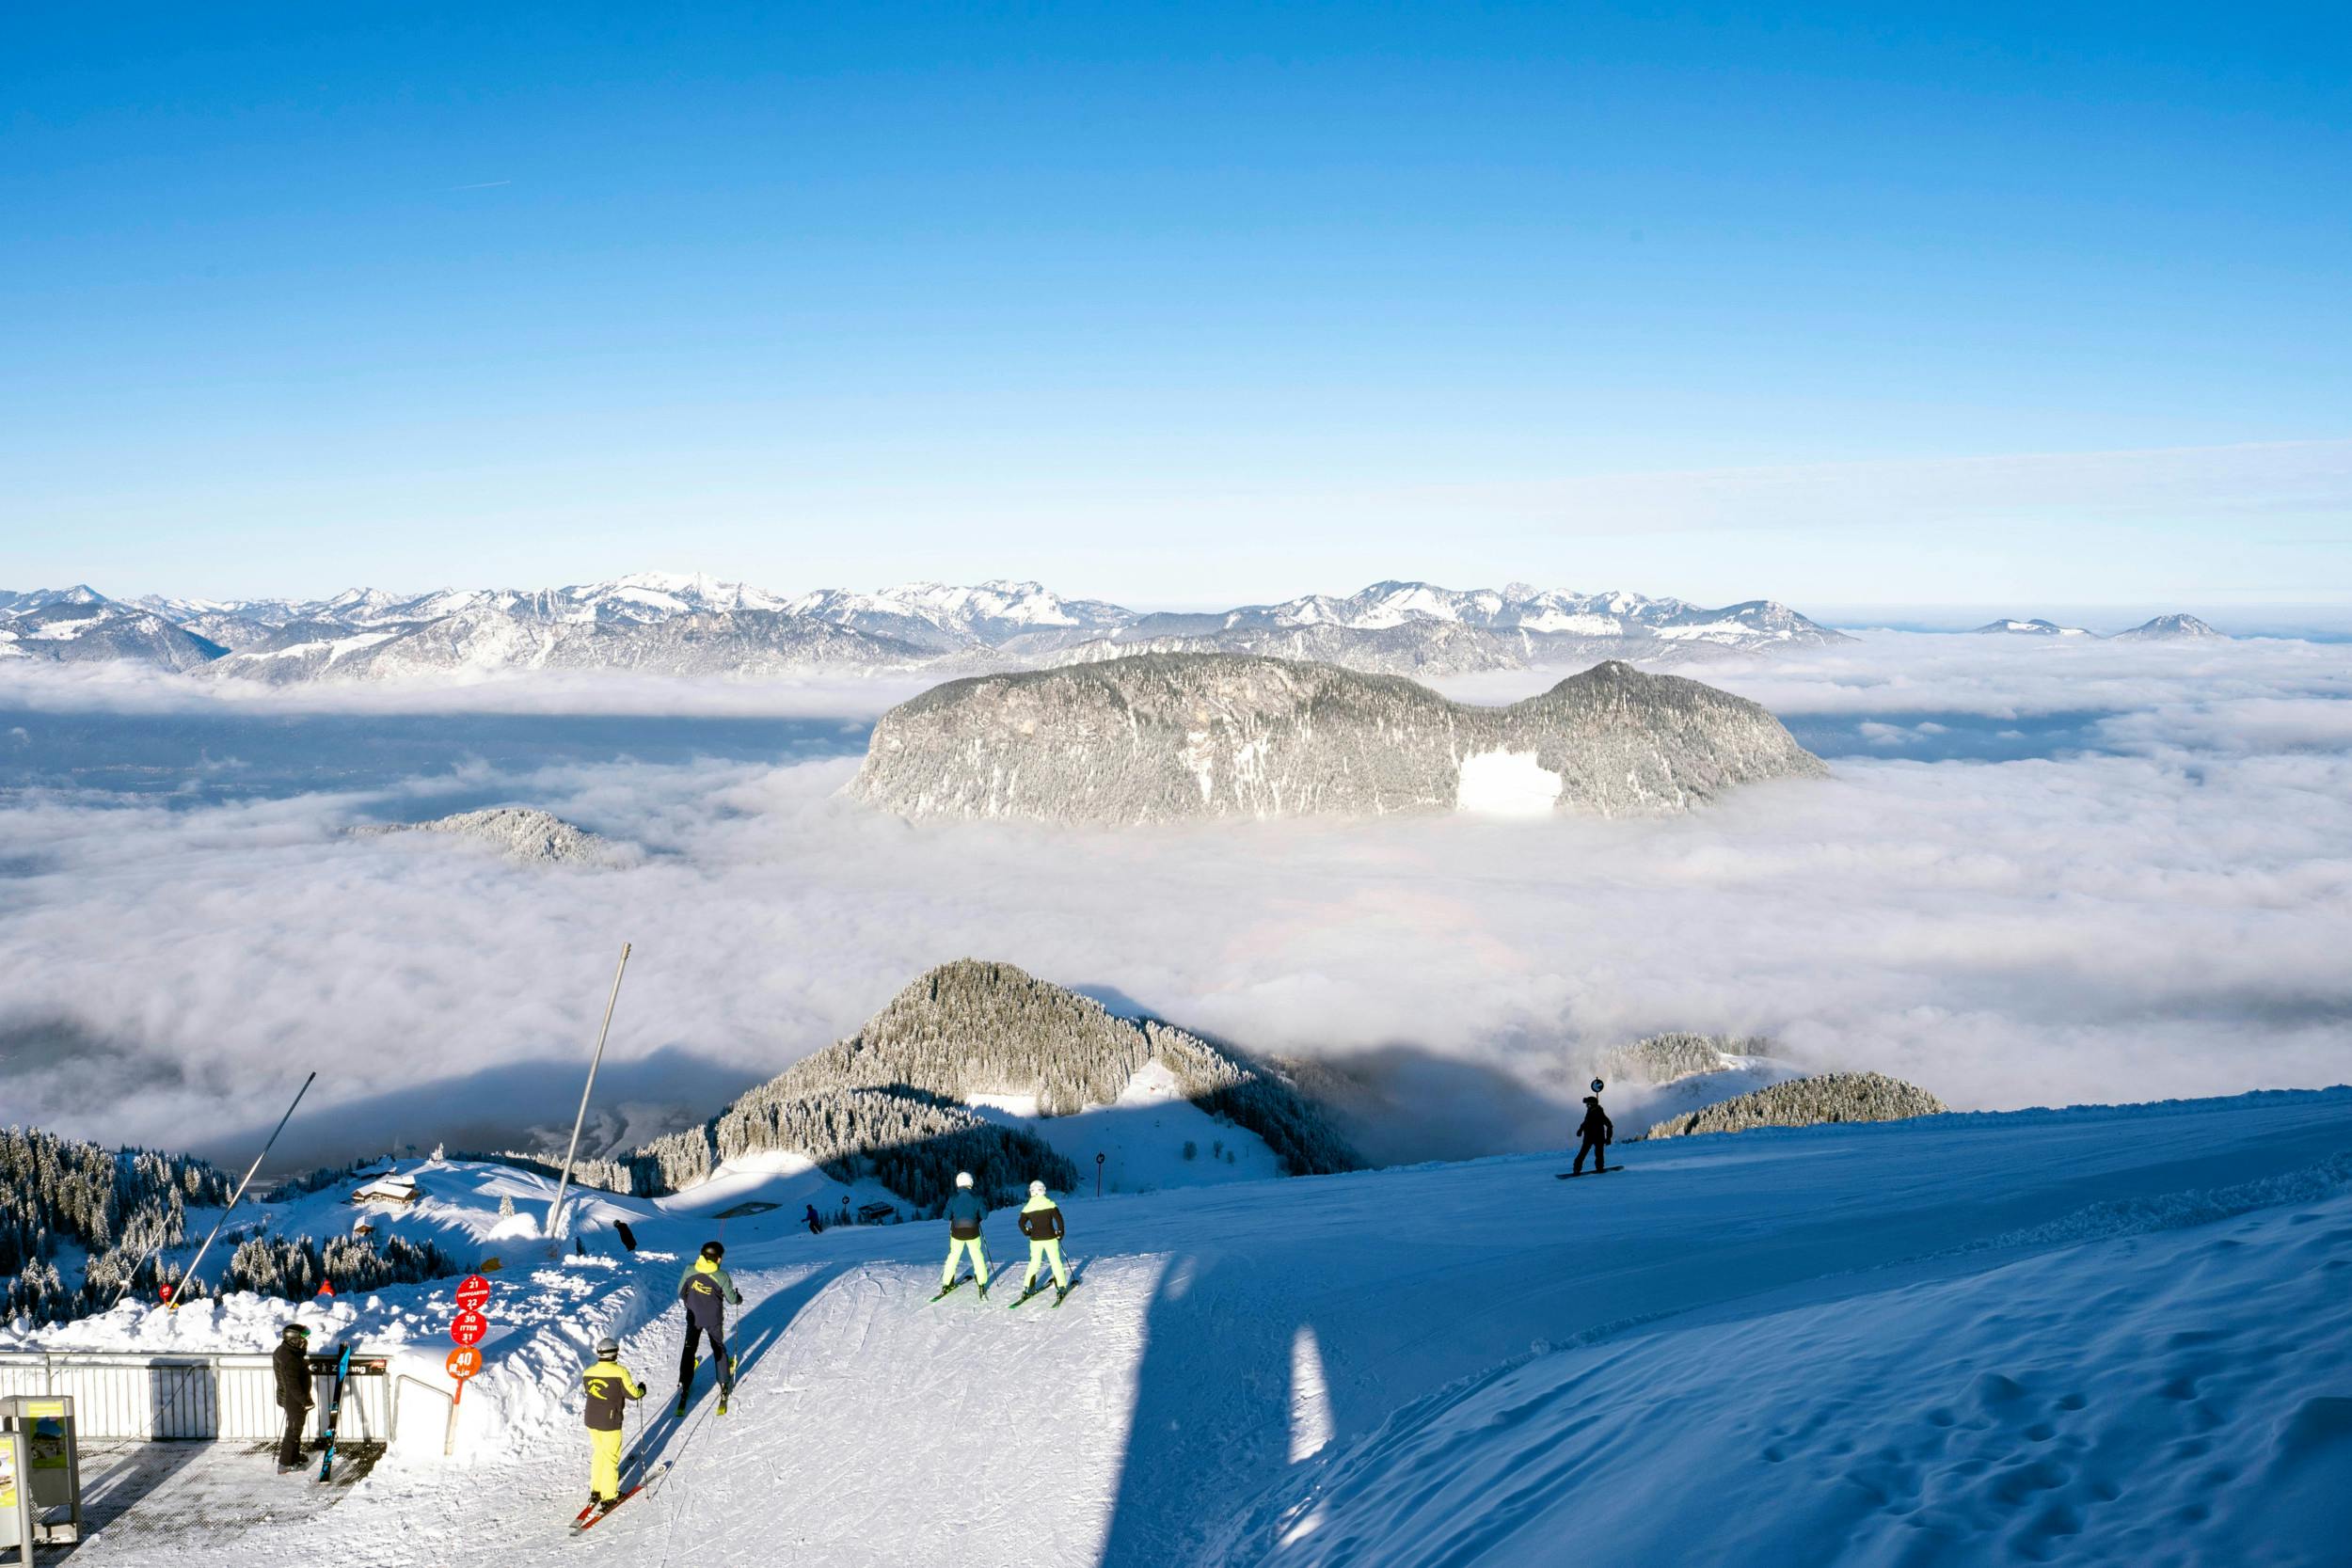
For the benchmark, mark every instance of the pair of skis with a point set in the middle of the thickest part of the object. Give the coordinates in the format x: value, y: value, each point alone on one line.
x: 1059, y: 1296
x: 597, y: 1510
x: 686, y: 1389
x: 333, y: 1408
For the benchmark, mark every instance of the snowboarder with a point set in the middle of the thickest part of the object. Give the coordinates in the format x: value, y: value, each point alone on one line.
x: 1598, y: 1131
x: 705, y: 1290
x: 292, y: 1362
x: 815, y: 1224
x: 608, y: 1388
x: 964, y: 1214
x: 1041, y: 1221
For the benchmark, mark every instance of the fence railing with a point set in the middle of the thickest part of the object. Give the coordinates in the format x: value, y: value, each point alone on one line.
x: 197, y: 1397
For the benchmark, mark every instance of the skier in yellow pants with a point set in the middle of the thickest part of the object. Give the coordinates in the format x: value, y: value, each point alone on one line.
x: 964, y: 1214
x: 1041, y: 1221
x: 608, y: 1386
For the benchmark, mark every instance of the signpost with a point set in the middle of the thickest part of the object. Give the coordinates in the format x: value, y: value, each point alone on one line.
x: 467, y: 1329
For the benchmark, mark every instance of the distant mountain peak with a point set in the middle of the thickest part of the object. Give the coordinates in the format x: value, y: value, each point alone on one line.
x: 2013, y: 628
x: 2175, y: 627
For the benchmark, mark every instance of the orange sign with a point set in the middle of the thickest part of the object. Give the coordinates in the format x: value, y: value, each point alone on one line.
x: 464, y: 1362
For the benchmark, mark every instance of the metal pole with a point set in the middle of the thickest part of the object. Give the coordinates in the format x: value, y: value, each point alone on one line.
x: 555, y: 1210
x: 189, y: 1279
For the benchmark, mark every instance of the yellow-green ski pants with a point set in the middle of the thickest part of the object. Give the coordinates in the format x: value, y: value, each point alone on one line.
x: 604, y: 1463
x: 957, y: 1246
x: 1041, y: 1252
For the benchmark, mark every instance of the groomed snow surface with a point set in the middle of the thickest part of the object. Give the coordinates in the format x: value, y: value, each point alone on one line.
x: 2099, y: 1335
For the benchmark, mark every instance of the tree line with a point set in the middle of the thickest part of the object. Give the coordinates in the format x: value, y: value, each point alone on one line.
x: 118, y: 1206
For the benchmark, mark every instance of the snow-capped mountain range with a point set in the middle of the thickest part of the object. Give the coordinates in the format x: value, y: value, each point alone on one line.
x: 669, y: 624
x: 2161, y: 628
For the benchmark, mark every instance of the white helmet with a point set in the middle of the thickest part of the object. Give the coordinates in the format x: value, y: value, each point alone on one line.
x: 1037, y: 1189
x: 963, y: 1179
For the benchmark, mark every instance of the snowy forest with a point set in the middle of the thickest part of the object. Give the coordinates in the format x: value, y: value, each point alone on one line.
x: 295, y: 1266
x: 63, y: 1201
x: 60, y: 1197
x: 888, y: 1100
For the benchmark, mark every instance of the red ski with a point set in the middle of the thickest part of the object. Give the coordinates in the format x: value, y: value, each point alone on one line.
x: 587, y: 1518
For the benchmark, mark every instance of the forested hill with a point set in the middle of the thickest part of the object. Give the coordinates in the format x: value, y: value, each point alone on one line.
x: 892, y: 1099
x: 119, y: 1206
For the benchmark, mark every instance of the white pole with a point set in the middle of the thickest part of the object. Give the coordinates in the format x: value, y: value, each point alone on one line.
x: 555, y: 1210
x: 189, y: 1279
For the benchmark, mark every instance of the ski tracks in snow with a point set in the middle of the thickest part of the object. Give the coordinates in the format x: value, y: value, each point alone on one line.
x: 881, y: 1427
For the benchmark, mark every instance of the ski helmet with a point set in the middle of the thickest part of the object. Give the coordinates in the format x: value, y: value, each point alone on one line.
x: 963, y: 1179
x: 1037, y: 1189
x: 303, y: 1329
x: 714, y: 1250
x: 607, y: 1347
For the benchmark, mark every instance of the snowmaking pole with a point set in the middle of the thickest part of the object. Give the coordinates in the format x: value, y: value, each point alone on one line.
x: 188, y: 1278
x: 555, y: 1210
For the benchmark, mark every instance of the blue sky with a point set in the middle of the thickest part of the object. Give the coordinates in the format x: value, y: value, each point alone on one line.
x: 1909, y: 304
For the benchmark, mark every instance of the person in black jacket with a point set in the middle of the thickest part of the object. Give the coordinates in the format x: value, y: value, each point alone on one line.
x: 705, y: 1290
x: 1598, y: 1131
x: 292, y: 1363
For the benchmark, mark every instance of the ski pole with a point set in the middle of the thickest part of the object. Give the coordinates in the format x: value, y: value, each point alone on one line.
x: 188, y: 1278
x: 555, y: 1210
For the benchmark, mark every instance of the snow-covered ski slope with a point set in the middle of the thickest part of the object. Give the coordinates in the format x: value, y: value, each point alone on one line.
x: 2108, y: 1336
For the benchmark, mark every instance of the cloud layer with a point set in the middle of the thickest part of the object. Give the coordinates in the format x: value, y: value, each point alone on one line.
x: 2167, y: 918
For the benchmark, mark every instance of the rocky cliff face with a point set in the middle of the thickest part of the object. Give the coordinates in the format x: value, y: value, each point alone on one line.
x: 1165, y: 736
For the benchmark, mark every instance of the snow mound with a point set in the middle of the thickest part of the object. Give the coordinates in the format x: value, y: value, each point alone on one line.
x: 523, y: 835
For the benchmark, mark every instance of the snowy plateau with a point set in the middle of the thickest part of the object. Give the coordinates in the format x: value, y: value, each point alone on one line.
x: 2105, y: 1334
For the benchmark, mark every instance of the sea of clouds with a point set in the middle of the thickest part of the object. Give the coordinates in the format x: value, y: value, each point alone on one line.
x: 2164, y: 910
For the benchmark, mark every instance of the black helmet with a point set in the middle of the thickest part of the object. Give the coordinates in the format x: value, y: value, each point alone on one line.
x: 303, y: 1329
x: 714, y: 1250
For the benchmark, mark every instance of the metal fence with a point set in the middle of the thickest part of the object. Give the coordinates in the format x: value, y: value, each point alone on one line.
x: 198, y: 1398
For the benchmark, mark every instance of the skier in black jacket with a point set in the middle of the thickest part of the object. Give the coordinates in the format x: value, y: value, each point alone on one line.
x: 292, y: 1363
x: 705, y: 1290
x: 1598, y: 1131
